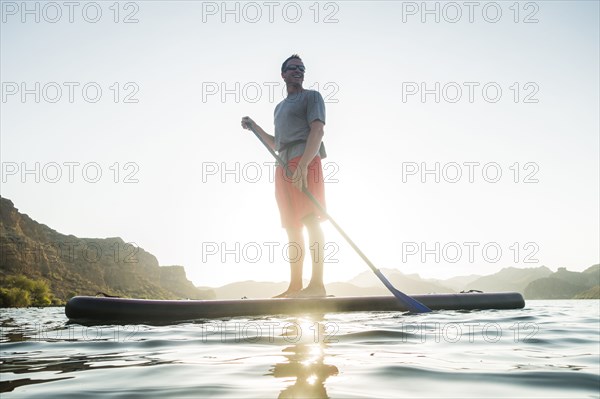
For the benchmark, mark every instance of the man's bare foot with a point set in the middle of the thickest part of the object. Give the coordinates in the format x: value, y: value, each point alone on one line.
x: 312, y: 291
x: 289, y: 293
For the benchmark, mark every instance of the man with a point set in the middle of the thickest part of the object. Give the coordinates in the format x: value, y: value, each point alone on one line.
x: 299, y: 122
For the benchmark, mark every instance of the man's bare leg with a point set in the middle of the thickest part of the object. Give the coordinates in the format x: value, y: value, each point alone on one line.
x: 316, y: 241
x: 296, y: 257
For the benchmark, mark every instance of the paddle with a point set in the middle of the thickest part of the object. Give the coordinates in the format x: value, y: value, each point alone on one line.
x: 410, y: 303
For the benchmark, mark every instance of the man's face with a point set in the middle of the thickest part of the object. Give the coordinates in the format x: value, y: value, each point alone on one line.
x: 292, y: 74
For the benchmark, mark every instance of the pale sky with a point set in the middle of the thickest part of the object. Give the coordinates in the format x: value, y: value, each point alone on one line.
x: 517, y: 89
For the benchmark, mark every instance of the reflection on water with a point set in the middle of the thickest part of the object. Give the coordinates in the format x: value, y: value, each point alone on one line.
x: 9, y: 386
x: 27, y: 364
x: 305, y: 365
x: 549, y: 349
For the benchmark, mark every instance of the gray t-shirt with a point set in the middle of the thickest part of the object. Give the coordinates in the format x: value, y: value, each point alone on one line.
x: 293, y: 117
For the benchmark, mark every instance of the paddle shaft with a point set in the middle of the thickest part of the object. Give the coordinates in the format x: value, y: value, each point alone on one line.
x: 411, y: 303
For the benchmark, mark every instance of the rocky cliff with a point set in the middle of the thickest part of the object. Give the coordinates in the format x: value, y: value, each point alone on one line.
x: 564, y: 284
x: 85, y: 266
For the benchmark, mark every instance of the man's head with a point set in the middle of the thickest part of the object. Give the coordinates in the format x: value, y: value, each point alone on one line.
x: 292, y: 70
x: 291, y: 57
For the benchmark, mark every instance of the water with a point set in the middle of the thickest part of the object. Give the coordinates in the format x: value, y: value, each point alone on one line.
x: 550, y: 349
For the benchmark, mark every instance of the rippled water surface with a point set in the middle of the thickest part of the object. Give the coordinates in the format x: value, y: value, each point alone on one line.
x: 550, y: 349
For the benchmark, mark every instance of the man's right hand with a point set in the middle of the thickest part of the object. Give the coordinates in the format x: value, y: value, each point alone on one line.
x: 247, y: 121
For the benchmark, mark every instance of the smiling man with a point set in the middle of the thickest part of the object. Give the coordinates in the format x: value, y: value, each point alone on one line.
x: 299, y: 122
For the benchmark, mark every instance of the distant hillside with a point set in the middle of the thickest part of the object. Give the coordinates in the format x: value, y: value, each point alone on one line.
x: 509, y: 279
x: 560, y: 285
x: 566, y: 285
x: 410, y: 284
x: 534, y: 283
x: 347, y: 289
x: 458, y: 283
x: 592, y: 293
x: 85, y: 266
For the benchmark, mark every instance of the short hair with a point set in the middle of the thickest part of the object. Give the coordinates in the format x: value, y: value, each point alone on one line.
x: 292, y: 57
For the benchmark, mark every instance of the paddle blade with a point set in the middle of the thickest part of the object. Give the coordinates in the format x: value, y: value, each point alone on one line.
x: 411, y: 304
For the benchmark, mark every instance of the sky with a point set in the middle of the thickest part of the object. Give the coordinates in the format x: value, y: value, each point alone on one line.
x: 462, y: 137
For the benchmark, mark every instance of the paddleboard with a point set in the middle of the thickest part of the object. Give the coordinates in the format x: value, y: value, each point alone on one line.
x: 125, y: 310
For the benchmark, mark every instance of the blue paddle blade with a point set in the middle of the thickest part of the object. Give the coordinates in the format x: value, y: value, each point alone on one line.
x: 411, y: 304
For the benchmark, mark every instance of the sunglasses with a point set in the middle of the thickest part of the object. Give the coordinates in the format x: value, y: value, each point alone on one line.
x: 301, y: 68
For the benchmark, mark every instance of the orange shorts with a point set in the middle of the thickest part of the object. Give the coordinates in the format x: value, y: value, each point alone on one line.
x: 293, y: 204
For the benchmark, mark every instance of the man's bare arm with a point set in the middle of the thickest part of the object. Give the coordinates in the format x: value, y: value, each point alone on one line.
x: 270, y: 140
x: 313, y: 143
x: 300, y: 175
